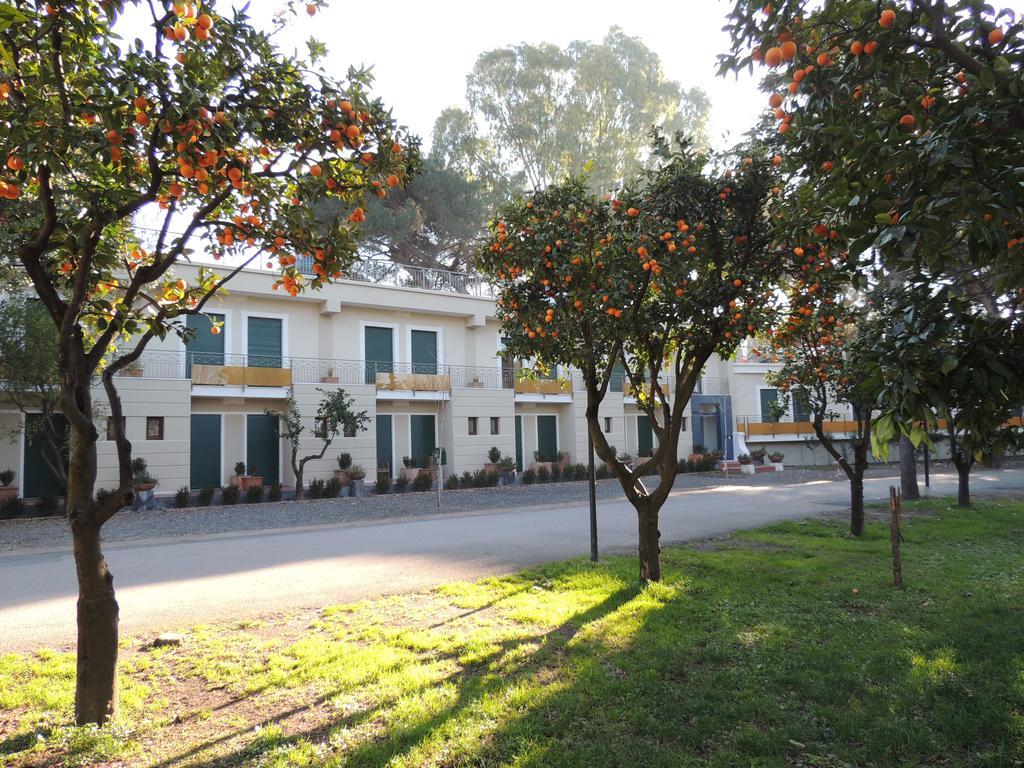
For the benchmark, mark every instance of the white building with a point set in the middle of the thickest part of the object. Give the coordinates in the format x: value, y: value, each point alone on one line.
x: 418, y: 351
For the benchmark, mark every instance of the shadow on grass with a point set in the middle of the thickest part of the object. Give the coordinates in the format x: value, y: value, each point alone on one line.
x: 472, y: 687
x: 774, y: 656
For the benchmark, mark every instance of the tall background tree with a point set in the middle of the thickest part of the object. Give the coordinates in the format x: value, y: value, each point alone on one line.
x: 906, y: 119
x: 210, y: 128
x: 534, y: 114
x: 674, y: 267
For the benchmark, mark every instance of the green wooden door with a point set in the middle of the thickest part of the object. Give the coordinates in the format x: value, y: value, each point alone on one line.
x: 378, y: 351
x: 264, y: 342
x: 547, y: 438
x: 205, y: 347
x: 422, y: 439
x: 519, y: 443
x: 644, y: 435
x: 424, y: 352
x: 263, y: 447
x: 385, y: 445
x: 204, y: 452
x: 801, y: 405
x: 768, y: 399
x: 39, y: 479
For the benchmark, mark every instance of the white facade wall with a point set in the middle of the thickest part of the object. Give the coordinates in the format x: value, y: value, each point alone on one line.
x: 328, y: 328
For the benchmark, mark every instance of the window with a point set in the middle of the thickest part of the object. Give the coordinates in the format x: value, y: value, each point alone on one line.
x: 320, y: 428
x: 607, y: 423
x: 472, y: 425
x: 349, y: 430
x: 769, y: 407
x: 154, y: 427
x: 495, y: 425
x: 801, y: 405
x: 682, y: 424
x: 110, y: 427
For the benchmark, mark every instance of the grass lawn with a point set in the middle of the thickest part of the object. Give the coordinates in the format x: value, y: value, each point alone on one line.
x: 784, y: 646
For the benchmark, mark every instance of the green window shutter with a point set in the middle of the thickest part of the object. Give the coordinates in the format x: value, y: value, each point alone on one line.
x: 519, y: 443
x: 385, y: 448
x: 264, y: 342
x: 263, y: 447
x: 768, y: 398
x: 204, y: 454
x: 422, y: 438
x: 547, y: 438
x: 378, y: 351
x: 205, y: 347
x: 424, y: 352
x: 39, y: 479
x: 644, y: 435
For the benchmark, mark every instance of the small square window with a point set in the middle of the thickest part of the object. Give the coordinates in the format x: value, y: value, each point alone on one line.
x: 495, y: 425
x: 154, y: 427
x: 472, y: 425
x: 607, y: 424
x: 110, y: 427
x: 349, y: 431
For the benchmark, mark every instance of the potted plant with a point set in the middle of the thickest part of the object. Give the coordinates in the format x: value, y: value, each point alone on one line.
x: 746, y: 463
x: 758, y: 455
x: 344, y: 462
x: 329, y: 378
x: 507, y: 470
x: 409, y: 469
x: 242, y: 481
x: 475, y: 382
x: 541, y: 461
x: 356, y: 475
x: 141, y: 478
x: 8, y: 491
x: 563, y: 461
x: 775, y: 460
x: 133, y: 368
x: 493, y: 457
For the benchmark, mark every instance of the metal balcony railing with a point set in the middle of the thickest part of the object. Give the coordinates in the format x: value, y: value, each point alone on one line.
x: 404, y: 276
x: 206, y: 367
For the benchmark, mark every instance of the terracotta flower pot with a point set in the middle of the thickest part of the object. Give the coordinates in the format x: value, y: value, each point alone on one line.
x: 245, y: 482
x: 8, y: 492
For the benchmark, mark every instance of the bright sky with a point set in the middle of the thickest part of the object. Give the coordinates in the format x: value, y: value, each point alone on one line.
x: 421, y: 52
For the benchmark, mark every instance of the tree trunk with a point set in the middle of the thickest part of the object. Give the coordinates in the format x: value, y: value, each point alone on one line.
x: 300, y: 492
x: 650, y: 549
x: 96, y: 685
x: 908, y: 470
x: 963, y: 490
x: 857, y: 506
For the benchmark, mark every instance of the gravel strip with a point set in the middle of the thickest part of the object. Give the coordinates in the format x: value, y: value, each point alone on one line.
x: 52, y: 532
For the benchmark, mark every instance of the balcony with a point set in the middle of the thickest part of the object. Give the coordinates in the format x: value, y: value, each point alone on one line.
x: 757, y: 426
x: 422, y: 278
x: 543, y: 387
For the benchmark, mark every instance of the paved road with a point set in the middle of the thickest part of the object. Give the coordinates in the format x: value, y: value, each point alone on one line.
x: 174, y: 584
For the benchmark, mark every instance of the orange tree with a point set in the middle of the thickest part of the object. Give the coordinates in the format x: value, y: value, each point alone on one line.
x: 821, y: 363
x: 206, y: 125
x: 906, y: 120
x: 674, y: 267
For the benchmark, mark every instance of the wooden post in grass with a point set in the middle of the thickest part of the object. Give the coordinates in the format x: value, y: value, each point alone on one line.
x: 895, y: 536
